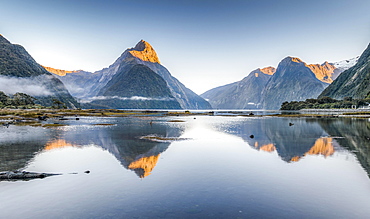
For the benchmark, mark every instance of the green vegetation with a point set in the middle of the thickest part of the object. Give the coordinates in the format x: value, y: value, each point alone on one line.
x: 18, y: 101
x: 325, y: 103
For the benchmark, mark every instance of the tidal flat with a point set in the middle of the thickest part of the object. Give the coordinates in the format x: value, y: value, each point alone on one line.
x: 181, y: 164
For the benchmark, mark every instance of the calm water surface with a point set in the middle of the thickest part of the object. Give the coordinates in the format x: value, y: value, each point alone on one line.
x: 219, y: 167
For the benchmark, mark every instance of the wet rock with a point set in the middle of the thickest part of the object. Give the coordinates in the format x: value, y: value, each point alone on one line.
x: 43, y: 118
x: 23, y: 175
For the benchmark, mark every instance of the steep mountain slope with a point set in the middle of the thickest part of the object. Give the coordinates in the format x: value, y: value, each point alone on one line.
x: 244, y: 94
x: 143, y: 53
x: 353, y: 82
x: 135, y: 86
x: 23, y: 74
x: 293, y: 80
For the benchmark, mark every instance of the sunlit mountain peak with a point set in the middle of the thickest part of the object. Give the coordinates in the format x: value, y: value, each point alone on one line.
x: 144, y: 51
x: 268, y: 70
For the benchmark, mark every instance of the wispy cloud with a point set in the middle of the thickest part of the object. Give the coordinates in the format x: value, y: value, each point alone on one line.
x: 31, y: 86
x: 136, y: 98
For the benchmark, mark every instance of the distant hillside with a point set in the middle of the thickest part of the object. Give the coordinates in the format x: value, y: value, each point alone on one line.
x: 354, y: 82
x: 19, y: 72
x: 244, y: 94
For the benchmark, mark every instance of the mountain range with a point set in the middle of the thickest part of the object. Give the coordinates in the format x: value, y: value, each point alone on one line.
x: 268, y: 88
x: 138, y: 80
x: 19, y: 72
x: 135, y: 80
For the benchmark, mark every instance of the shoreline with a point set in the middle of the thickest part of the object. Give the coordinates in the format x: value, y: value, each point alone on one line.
x: 37, y: 117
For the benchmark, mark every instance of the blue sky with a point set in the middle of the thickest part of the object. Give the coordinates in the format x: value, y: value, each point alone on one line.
x: 203, y: 43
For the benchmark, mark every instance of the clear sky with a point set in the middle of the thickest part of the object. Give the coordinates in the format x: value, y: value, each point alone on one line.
x: 203, y: 43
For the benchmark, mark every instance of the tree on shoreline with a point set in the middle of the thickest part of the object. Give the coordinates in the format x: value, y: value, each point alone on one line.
x: 325, y: 103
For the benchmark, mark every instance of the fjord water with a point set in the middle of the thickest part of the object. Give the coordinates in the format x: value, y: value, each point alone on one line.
x: 218, y: 167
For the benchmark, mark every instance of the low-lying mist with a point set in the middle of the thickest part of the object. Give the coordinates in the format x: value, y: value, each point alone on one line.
x: 137, y: 98
x: 33, y: 86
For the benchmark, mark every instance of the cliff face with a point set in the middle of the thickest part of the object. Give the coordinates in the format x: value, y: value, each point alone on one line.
x: 27, y: 76
x: 292, y: 81
x: 244, y: 94
x: 353, y: 82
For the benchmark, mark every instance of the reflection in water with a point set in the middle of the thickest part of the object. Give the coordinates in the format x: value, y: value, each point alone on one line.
x: 353, y: 134
x: 266, y: 147
x: 322, y: 146
x: 275, y: 134
x: 215, y: 175
x: 19, y: 145
x: 144, y: 166
x: 57, y: 143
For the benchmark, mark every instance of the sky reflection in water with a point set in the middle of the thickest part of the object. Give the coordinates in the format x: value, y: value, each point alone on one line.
x: 307, y: 169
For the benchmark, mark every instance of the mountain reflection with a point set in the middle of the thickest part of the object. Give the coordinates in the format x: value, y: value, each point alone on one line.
x: 123, y: 141
x: 275, y: 134
x: 353, y: 135
x: 19, y: 145
x: 57, y: 143
x: 144, y: 166
x: 322, y: 146
x: 310, y: 136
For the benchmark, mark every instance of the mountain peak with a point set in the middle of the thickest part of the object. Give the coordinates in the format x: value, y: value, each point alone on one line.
x: 268, y: 70
x: 3, y: 39
x: 144, y: 51
x: 292, y: 59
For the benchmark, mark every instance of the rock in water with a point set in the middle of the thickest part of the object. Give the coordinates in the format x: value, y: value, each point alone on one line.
x: 23, y: 175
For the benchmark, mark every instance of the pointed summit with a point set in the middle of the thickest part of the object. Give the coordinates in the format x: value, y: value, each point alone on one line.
x: 3, y: 39
x: 268, y: 70
x: 292, y: 59
x: 144, y: 51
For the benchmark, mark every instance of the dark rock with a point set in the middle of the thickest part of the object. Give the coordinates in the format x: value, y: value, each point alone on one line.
x: 23, y: 175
